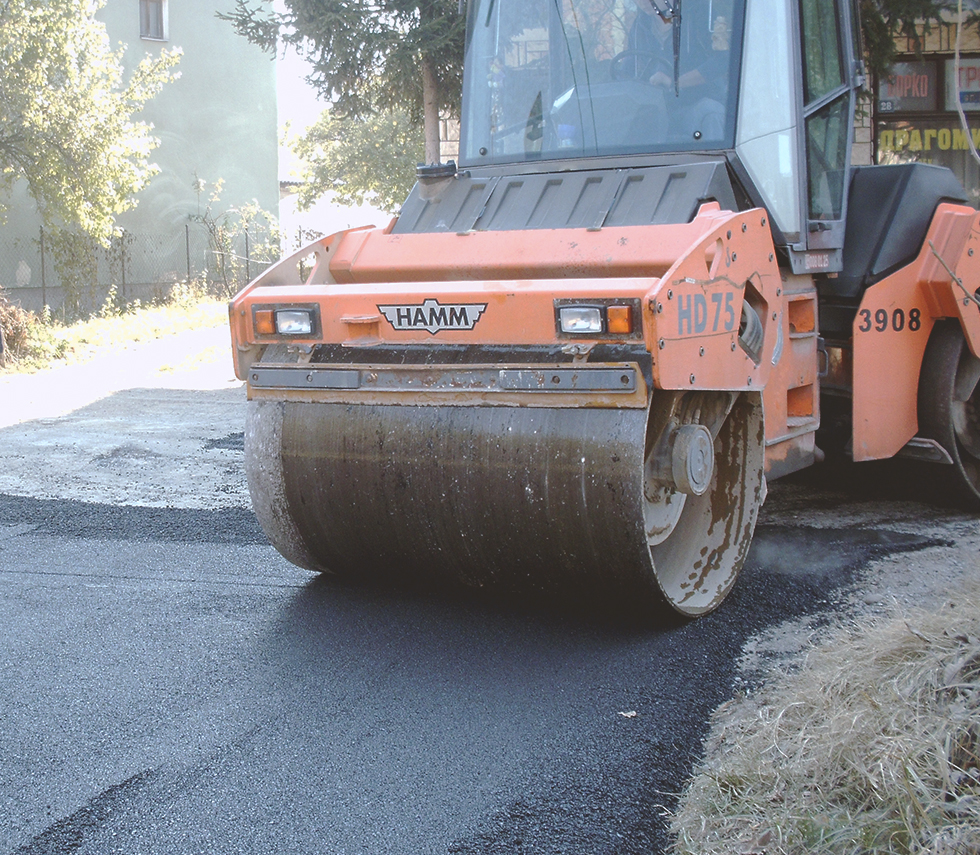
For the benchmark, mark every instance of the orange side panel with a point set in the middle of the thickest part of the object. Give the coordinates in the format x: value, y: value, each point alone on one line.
x: 792, y: 395
x: 692, y: 318
x: 968, y: 286
x: 892, y: 328
x: 377, y: 256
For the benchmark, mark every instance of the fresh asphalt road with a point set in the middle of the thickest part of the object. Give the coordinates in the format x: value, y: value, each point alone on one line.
x: 169, y: 684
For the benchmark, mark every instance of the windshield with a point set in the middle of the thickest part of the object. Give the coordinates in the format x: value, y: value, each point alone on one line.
x: 570, y: 78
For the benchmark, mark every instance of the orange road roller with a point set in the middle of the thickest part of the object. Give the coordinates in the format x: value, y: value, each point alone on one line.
x: 575, y: 358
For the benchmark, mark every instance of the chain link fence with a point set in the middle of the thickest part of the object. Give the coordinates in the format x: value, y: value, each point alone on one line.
x: 77, y: 277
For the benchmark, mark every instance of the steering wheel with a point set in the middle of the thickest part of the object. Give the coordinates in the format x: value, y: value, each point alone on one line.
x: 638, y: 65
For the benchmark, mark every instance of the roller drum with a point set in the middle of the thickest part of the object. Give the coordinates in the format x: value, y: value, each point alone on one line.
x: 507, y: 496
x: 563, y: 500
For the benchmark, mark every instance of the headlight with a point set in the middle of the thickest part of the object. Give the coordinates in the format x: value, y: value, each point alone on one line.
x: 294, y: 322
x: 601, y: 317
x: 299, y: 321
x: 580, y: 319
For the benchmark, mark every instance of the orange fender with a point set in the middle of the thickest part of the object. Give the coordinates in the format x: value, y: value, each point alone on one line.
x: 893, y: 324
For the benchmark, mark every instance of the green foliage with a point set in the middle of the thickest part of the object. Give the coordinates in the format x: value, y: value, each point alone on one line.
x: 112, y: 306
x: 367, y: 56
x: 884, y: 20
x: 238, y: 238
x: 66, y: 115
x: 357, y: 160
x: 76, y: 261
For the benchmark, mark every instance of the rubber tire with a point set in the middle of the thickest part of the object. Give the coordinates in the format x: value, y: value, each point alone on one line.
x: 946, y: 357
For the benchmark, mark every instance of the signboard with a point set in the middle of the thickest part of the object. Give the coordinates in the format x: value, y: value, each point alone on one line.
x: 912, y: 88
x: 923, y: 139
x: 969, y: 79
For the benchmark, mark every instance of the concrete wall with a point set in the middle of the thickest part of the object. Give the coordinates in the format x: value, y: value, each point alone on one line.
x: 217, y: 121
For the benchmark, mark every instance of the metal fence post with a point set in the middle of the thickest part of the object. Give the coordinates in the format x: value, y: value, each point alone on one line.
x: 248, y: 263
x: 122, y: 262
x: 44, y: 286
x: 187, y: 246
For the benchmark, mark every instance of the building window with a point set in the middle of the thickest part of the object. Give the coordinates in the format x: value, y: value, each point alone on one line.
x: 153, y: 19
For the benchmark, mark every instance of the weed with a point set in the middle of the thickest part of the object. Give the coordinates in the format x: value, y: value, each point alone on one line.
x: 870, y: 747
x: 16, y: 326
x: 35, y: 342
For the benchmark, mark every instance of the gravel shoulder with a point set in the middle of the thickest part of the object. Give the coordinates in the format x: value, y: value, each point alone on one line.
x: 155, y: 424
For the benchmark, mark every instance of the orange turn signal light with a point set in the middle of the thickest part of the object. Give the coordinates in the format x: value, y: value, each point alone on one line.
x: 265, y: 322
x: 619, y: 319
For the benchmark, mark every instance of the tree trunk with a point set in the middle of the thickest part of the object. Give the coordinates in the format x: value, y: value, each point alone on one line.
x: 430, y: 111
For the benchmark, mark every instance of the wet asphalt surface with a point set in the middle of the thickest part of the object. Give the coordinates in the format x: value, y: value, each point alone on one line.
x: 168, y: 684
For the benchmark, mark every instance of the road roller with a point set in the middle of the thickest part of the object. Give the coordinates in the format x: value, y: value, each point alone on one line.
x: 572, y: 362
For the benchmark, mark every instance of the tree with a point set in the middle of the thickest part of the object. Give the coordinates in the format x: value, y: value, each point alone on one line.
x: 372, y: 59
x: 66, y: 116
x: 371, y: 55
x: 883, y: 20
x: 358, y: 159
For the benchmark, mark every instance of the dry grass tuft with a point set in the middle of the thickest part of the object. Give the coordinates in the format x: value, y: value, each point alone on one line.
x: 16, y: 325
x: 34, y: 342
x: 871, y: 746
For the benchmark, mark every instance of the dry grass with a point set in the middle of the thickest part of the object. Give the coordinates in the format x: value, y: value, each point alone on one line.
x: 870, y: 746
x: 35, y: 342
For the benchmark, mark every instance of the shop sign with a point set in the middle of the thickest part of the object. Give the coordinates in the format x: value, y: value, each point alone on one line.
x: 969, y: 79
x: 910, y: 89
x: 915, y: 138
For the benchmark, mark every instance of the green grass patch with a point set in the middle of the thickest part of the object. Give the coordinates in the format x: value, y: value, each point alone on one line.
x: 34, y: 342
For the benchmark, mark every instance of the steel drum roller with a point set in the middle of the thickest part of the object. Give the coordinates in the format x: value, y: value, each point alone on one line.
x: 559, y: 499
x: 477, y: 494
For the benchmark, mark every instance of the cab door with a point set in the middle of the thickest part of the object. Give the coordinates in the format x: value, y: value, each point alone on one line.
x: 831, y: 76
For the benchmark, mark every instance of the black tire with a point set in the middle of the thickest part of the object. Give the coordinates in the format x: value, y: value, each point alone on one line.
x: 949, y: 408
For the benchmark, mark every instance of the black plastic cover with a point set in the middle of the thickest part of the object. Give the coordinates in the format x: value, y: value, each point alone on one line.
x: 590, y: 198
x: 888, y: 215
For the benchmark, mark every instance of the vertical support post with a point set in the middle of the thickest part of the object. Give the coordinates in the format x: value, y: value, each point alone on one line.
x: 248, y: 261
x: 44, y: 284
x: 122, y: 263
x: 187, y: 246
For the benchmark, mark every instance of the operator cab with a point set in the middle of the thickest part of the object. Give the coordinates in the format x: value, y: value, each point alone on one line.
x: 748, y: 102
x: 576, y: 79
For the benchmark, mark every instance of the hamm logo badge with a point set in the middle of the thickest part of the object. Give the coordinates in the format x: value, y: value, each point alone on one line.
x: 433, y: 317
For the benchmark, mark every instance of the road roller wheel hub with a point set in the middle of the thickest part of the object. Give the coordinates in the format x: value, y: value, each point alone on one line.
x: 693, y: 459
x: 701, y: 508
